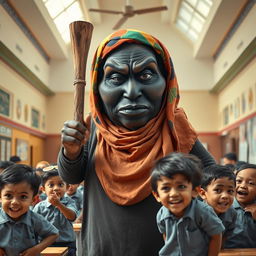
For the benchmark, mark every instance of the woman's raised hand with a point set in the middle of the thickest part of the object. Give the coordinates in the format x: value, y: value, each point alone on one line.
x: 73, y: 137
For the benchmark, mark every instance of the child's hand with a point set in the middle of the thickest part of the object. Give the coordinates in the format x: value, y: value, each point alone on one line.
x: 252, y: 209
x: 54, y: 199
x: 2, y: 252
x: 30, y: 252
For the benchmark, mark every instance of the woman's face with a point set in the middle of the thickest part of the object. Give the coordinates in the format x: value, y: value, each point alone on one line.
x: 132, y: 86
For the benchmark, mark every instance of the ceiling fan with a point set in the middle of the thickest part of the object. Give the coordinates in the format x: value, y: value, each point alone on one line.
x: 128, y: 12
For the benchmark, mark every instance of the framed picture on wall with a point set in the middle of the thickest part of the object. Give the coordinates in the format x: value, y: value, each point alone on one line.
x: 5, y: 103
x: 35, y: 118
x: 22, y: 149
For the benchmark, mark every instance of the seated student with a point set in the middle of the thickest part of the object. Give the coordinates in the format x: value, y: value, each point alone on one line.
x: 76, y: 195
x: 189, y: 226
x: 59, y: 210
x: 218, y: 190
x: 244, y: 235
x: 5, y: 164
x: 15, y: 159
x: 230, y: 158
x: 20, y: 228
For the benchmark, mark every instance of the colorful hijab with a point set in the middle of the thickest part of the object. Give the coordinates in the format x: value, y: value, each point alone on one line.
x: 124, y: 158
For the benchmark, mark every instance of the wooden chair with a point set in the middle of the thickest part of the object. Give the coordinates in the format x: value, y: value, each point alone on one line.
x: 238, y: 252
x: 55, y: 251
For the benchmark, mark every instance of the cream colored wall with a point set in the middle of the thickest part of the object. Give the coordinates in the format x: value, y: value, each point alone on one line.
x: 243, y: 36
x: 244, y: 81
x: 200, y: 107
x: 20, y: 89
x: 12, y: 36
x: 60, y: 108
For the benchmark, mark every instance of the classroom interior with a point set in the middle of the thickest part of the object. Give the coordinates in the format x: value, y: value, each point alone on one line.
x: 213, y: 48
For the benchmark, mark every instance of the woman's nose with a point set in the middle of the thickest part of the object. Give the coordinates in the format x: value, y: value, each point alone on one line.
x: 132, y: 89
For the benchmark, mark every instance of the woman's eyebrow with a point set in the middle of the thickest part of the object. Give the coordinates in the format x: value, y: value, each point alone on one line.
x: 148, y: 61
x: 110, y: 65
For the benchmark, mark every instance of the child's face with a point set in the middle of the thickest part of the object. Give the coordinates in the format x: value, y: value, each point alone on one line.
x: 71, y: 189
x: 246, y: 186
x: 55, y: 185
x: 16, y: 199
x: 219, y: 194
x: 175, y: 193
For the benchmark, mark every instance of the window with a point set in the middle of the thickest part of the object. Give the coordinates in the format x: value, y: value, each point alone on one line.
x: 63, y: 12
x: 191, y: 17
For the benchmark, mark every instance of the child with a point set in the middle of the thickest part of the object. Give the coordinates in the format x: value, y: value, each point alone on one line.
x: 218, y: 190
x: 244, y: 235
x: 189, y: 226
x: 59, y: 210
x: 76, y: 195
x: 20, y: 228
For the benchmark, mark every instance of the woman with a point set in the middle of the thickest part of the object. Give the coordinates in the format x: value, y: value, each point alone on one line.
x: 134, y: 121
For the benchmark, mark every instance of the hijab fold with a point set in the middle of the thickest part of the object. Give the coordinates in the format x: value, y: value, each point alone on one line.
x: 124, y: 158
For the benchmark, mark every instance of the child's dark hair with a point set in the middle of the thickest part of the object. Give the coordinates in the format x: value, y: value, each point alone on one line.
x: 49, y: 171
x: 245, y: 166
x: 214, y: 172
x: 177, y: 163
x: 18, y: 173
x: 5, y: 164
x: 231, y: 156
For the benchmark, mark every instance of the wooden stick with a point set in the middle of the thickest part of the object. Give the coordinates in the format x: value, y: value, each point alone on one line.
x: 81, y: 34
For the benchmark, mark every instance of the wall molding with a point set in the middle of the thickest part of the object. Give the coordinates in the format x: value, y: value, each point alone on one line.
x: 242, y: 61
x: 18, y: 66
x: 13, y: 124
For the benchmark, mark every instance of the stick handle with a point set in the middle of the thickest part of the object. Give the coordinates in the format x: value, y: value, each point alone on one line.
x: 80, y: 34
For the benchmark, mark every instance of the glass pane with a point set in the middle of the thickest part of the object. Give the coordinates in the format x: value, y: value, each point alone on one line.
x: 192, y: 34
x: 203, y: 8
x: 54, y: 7
x: 196, y: 24
x: 66, y: 36
x: 74, y: 12
x: 185, y: 14
x: 182, y: 25
x: 67, y: 3
x: 192, y: 2
x: 61, y: 22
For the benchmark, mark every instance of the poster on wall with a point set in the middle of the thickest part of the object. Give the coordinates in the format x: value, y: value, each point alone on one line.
x: 251, y: 130
x: 243, y: 145
x: 5, y: 103
x: 22, y: 149
x: 35, y: 118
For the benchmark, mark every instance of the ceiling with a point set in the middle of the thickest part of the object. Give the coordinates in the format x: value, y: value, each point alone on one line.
x: 222, y: 15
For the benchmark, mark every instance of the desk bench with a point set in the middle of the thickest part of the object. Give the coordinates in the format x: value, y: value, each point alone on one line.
x: 55, y: 251
x: 238, y: 252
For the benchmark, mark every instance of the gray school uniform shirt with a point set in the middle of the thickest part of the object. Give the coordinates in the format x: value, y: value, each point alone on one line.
x: 228, y: 219
x: 54, y: 216
x: 244, y: 234
x: 17, y: 236
x: 190, y: 234
x: 78, y: 198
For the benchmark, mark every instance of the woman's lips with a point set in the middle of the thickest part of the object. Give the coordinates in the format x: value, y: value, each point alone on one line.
x: 133, y: 110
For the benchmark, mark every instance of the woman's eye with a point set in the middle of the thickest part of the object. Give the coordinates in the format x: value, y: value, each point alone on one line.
x: 146, y: 75
x: 115, y: 78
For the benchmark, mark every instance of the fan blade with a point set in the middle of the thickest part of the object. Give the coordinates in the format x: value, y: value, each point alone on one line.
x: 120, y: 22
x: 153, y: 9
x: 105, y: 11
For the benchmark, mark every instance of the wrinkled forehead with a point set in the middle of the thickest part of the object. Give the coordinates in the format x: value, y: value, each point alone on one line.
x: 128, y: 54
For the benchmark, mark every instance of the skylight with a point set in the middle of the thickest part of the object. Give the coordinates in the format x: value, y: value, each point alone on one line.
x: 63, y: 12
x: 191, y: 17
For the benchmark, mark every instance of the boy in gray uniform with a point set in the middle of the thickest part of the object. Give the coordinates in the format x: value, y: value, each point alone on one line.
x: 218, y: 190
x: 59, y: 210
x: 22, y: 231
x: 244, y: 235
x: 74, y: 193
x: 189, y: 226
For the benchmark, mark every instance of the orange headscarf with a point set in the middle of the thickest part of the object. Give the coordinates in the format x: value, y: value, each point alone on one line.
x: 124, y: 158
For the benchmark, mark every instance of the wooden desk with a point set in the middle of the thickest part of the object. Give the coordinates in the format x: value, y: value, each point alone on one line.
x: 238, y: 252
x: 55, y: 251
x: 77, y: 228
